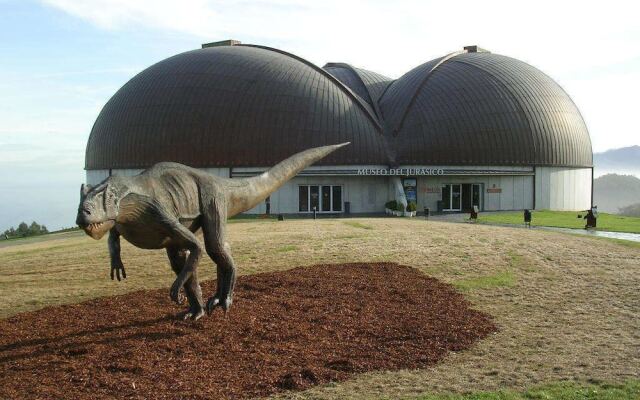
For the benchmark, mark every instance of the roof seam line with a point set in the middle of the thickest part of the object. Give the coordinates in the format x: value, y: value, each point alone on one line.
x: 419, y: 88
x: 376, y: 108
x: 326, y: 74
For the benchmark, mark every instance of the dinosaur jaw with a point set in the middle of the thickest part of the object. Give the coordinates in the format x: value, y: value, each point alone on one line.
x: 98, y: 229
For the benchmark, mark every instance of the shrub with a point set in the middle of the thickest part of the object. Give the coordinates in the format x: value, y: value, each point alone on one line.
x: 391, y: 205
x: 399, y: 206
x: 412, y: 206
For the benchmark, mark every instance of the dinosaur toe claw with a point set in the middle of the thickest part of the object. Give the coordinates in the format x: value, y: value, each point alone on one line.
x: 191, y: 314
x: 212, y: 303
x: 215, y: 301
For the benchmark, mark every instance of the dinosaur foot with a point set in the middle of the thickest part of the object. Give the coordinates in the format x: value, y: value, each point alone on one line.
x: 215, y: 301
x: 190, y: 313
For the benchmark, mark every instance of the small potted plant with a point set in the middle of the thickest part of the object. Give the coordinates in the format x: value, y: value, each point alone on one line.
x: 399, y: 209
x: 390, y: 207
x: 411, y: 209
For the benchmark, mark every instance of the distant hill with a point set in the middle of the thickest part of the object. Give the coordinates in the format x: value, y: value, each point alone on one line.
x: 612, y: 192
x: 622, y: 161
x: 631, y: 211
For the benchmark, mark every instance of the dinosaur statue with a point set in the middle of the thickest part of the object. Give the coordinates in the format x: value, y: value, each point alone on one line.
x: 164, y: 206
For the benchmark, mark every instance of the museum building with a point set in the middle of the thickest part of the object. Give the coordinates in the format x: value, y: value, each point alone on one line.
x: 468, y: 129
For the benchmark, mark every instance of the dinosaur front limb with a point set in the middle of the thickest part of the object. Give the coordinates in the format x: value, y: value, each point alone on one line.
x: 185, y: 239
x: 117, y: 268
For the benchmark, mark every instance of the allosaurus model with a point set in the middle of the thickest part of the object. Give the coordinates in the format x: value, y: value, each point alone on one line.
x: 164, y: 206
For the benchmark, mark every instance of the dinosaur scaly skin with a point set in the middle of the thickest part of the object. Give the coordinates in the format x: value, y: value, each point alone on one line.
x: 167, y: 204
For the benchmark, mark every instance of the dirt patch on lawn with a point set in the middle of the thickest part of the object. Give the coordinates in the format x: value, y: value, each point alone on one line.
x: 286, y: 331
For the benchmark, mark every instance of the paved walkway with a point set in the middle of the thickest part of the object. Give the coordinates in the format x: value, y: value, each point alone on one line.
x: 464, y: 218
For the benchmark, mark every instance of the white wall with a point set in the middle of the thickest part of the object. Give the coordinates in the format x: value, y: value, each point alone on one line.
x: 563, y: 188
x: 516, y: 191
x: 555, y: 188
x: 222, y: 172
x: 95, y: 176
x: 367, y: 194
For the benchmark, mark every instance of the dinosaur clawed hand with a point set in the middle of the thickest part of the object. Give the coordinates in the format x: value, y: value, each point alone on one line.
x: 176, y: 294
x: 117, y: 270
x: 219, y: 301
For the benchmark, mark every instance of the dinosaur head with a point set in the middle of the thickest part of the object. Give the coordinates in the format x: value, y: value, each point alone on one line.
x: 98, y: 209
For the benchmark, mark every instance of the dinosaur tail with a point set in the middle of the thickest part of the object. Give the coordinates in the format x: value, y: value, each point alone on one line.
x: 244, y: 194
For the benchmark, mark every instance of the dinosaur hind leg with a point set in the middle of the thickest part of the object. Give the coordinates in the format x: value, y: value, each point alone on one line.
x: 226, y: 272
x: 213, y: 228
x: 178, y: 258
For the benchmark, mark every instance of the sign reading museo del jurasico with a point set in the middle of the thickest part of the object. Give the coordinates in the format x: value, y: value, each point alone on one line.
x: 401, y: 171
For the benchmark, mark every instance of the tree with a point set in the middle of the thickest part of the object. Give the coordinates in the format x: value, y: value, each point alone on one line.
x: 34, y: 229
x: 23, y: 229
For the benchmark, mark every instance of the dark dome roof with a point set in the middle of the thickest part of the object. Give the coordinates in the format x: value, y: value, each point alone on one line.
x: 232, y: 106
x: 246, y: 105
x: 479, y: 108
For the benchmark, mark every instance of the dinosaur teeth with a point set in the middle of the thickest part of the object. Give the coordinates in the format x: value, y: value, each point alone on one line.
x: 95, y: 225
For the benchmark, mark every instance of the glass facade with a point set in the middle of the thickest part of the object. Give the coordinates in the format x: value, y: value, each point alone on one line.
x: 321, y: 198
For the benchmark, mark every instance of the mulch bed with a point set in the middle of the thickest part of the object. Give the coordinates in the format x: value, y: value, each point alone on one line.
x: 286, y: 331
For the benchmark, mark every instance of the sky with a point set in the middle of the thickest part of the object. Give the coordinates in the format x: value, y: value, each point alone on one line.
x: 61, y: 60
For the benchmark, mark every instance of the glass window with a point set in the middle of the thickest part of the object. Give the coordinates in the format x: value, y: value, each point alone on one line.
x: 314, y: 194
x: 446, y: 197
x: 476, y: 196
x: 337, y: 198
x: 326, y: 198
x: 456, y: 201
x: 303, y: 198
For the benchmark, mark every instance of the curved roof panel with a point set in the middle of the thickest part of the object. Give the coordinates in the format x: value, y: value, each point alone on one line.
x: 479, y: 108
x: 232, y: 106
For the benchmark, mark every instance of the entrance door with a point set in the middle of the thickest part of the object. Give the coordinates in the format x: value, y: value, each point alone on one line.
x: 446, y: 197
x: 456, y: 197
x: 452, y: 197
x: 461, y: 196
x: 320, y: 198
x: 315, y: 198
x: 471, y: 196
x: 466, y: 197
x: 476, y: 198
x: 326, y: 198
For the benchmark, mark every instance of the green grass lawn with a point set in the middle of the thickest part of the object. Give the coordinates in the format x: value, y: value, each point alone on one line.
x: 560, y: 391
x: 565, y: 219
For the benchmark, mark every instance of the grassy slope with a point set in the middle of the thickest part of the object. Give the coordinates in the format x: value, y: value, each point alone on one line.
x: 630, y: 390
x: 565, y: 219
x: 567, y: 306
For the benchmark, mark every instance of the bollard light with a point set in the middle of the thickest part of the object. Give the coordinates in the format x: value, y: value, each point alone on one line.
x: 527, y: 218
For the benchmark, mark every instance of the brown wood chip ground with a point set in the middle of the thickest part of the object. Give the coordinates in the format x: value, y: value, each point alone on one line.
x: 286, y: 331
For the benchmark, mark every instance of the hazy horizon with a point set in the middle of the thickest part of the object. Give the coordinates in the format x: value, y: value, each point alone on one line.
x: 63, y: 59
